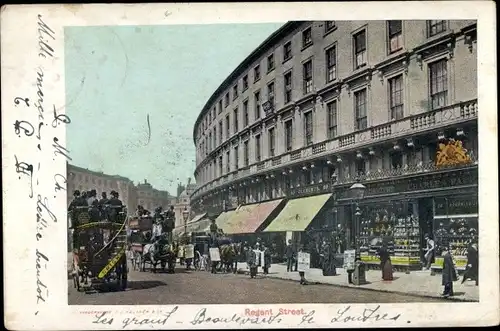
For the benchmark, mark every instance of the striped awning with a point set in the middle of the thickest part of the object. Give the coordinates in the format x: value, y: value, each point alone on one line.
x: 298, y: 213
x: 247, y: 219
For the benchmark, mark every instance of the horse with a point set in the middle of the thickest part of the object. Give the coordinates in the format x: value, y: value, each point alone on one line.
x: 229, y: 256
x: 153, y: 255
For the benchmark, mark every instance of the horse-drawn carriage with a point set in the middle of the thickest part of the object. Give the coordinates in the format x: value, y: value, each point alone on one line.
x: 149, y: 245
x: 99, y: 247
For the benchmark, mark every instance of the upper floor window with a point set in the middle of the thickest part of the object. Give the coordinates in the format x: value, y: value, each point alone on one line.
x: 236, y: 158
x: 329, y: 26
x: 288, y: 87
x: 245, y: 113
x: 435, y: 27
x: 257, y: 148
x: 272, y: 142
x: 226, y: 100
x: 289, y: 135
x: 360, y: 109
x: 331, y: 62
x: 257, y: 105
x: 438, y: 79
x: 245, y: 153
x: 360, y: 167
x: 308, y: 127
x: 396, y: 97
x: 228, y: 161
x: 210, y: 142
x: 221, y: 130
x: 270, y: 93
x: 235, y: 120
x: 228, y: 132
x: 220, y: 166
x: 245, y: 82
x: 396, y: 160
x: 270, y: 62
x: 395, y: 32
x: 213, y: 114
x: 235, y: 91
x: 307, y: 37
x: 332, y: 119
x: 287, y: 51
x: 308, y: 77
x: 215, y: 137
x: 220, y: 106
x: 256, y: 73
x: 360, y: 49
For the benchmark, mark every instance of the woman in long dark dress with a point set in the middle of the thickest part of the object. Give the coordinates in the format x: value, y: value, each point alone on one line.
x: 385, y: 262
x: 449, y: 272
x: 472, y: 265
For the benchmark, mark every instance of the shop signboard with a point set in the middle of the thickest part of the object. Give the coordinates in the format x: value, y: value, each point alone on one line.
x: 214, y: 254
x: 349, y: 259
x: 303, y: 261
x: 189, y: 251
x: 312, y: 189
x: 419, y: 183
x: 455, y: 206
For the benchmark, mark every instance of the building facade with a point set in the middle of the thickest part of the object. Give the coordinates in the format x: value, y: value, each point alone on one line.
x: 85, y: 180
x: 321, y: 105
x: 131, y: 195
x: 151, y: 198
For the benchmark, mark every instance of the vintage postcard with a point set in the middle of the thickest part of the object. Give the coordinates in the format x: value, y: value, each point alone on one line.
x: 249, y: 165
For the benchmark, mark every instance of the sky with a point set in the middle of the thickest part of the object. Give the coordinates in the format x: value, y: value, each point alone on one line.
x: 118, y: 76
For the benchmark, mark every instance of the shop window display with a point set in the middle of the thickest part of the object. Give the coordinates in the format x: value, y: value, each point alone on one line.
x: 395, y: 226
x: 459, y: 233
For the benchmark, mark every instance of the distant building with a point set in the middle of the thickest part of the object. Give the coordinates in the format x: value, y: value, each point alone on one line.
x: 144, y: 193
x: 150, y: 198
x: 83, y: 179
x: 183, y: 202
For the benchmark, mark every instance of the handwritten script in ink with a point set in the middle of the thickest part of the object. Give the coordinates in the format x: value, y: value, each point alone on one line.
x: 40, y: 130
x: 374, y: 314
x: 158, y: 320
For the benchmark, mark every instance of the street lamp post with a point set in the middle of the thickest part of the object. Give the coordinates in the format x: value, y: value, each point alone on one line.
x: 358, y: 191
x: 185, y: 216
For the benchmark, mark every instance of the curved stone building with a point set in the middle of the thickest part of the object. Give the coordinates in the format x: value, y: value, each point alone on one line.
x: 321, y: 105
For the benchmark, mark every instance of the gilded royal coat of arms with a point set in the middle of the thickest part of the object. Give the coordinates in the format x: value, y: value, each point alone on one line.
x: 452, y: 153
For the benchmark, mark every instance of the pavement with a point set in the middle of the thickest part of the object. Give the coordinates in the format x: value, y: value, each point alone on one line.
x: 416, y: 283
x: 201, y: 287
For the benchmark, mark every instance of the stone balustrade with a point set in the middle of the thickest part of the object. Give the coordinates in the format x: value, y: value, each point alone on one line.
x: 397, y: 129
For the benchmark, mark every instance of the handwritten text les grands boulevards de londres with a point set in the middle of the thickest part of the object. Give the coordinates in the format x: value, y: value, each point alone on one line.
x: 34, y: 122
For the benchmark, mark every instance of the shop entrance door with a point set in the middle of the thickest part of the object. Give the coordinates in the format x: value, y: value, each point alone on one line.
x: 425, y: 217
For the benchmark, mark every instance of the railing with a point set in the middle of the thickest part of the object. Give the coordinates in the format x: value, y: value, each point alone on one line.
x: 408, y: 126
x: 276, y: 161
x: 396, y: 172
x: 295, y: 155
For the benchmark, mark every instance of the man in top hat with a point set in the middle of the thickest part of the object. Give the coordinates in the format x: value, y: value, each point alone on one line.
x: 77, y: 200
x: 115, y: 201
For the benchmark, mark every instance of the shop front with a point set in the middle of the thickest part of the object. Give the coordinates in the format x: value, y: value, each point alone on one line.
x: 455, y: 225
x: 400, y: 212
x: 246, y: 221
x: 298, y: 216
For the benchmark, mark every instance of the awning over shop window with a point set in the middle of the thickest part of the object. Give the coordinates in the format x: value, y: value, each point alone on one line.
x: 196, y: 218
x: 222, y: 219
x: 298, y: 214
x: 247, y: 219
x: 199, y: 226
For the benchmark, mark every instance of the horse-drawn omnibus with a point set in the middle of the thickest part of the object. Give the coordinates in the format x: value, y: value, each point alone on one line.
x: 99, y: 247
